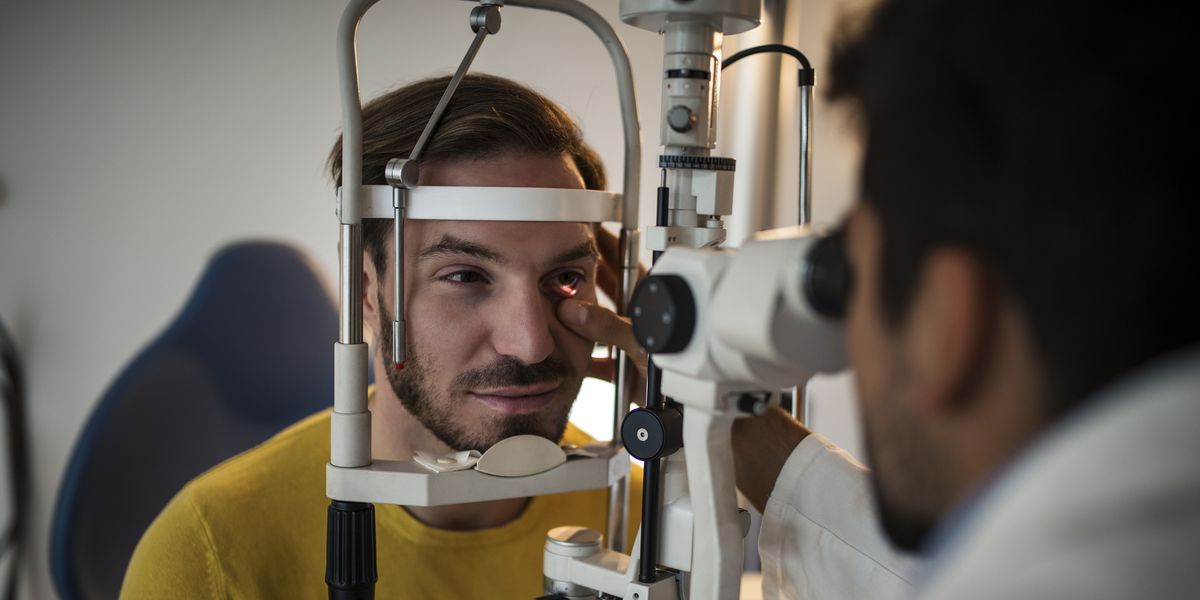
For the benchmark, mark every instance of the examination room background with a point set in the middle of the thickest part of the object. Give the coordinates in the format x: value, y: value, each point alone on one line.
x: 139, y: 136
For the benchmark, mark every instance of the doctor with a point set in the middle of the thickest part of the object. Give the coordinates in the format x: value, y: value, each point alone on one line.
x: 1025, y: 321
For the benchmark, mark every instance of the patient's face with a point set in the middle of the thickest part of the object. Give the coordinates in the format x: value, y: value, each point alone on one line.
x: 487, y: 356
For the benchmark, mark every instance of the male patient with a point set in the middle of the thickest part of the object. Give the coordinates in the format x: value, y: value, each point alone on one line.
x: 488, y: 358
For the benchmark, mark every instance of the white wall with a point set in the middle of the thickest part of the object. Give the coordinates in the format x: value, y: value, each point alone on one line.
x: 138, y: 136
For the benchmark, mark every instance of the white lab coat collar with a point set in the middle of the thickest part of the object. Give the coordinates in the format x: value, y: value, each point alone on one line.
x: 1131, y: 454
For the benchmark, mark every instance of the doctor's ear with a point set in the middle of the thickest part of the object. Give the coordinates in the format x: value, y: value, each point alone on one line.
x: 949, y: 331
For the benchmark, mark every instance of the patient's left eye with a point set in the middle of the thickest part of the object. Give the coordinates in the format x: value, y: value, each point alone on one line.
x: 566, y: 283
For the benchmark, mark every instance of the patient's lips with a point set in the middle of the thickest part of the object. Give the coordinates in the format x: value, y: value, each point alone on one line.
x: 518, y: 399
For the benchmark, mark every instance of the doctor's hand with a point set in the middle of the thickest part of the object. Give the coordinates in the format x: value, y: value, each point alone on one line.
x: 594, y: 322
x: 603, y: 326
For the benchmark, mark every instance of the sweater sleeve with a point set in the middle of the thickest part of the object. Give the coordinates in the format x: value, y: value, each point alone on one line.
x: 176, y: 557
x: 820, y: 537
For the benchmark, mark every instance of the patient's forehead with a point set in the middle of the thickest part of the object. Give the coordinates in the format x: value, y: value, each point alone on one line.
x: 507, y: 169
x: 499, y: 241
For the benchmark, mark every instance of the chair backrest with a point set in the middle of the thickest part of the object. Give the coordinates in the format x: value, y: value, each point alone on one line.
x: 249, y: 354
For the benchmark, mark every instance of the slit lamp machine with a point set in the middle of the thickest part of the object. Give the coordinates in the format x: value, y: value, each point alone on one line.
x: 726, y: 330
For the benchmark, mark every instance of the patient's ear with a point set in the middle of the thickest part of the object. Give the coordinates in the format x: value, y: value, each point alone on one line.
x: 948, y: 332
x: 370, y: 290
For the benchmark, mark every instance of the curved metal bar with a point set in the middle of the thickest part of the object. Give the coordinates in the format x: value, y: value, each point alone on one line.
x: 350, y: 423
x: 625, y: 92
x: 350, y: 209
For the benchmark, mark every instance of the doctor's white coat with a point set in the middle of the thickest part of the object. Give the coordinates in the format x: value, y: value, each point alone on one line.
x: 1106, y: 505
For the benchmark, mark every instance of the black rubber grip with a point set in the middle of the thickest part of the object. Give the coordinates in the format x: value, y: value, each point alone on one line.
x: 350, y: 570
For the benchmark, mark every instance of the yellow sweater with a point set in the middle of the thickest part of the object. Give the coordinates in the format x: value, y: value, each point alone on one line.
x: 254, y: 527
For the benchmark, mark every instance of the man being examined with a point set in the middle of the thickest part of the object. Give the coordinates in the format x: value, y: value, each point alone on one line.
x: 488, y: 358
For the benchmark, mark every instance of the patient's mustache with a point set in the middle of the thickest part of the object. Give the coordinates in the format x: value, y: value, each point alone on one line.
x: 509, y: 371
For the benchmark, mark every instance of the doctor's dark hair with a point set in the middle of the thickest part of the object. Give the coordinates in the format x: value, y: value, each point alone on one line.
x: 487, y: 116
x: 1050, y: 140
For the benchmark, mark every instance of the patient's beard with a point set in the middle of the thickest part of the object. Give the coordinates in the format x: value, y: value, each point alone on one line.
x: 435, y: 411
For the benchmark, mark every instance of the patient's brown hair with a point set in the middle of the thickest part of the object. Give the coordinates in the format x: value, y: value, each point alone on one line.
x: 488, y: 115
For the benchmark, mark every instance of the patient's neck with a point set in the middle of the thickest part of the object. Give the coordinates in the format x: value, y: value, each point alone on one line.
x: 396, y: 435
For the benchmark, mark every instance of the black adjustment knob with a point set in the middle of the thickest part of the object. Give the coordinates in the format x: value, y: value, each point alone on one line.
x: 649, y: 434
x: 664, y: 314
x: 681, y: 118
x: 350, y: 570
x: 827, y: 276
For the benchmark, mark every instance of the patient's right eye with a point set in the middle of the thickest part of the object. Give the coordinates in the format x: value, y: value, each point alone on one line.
x: 463, y: 277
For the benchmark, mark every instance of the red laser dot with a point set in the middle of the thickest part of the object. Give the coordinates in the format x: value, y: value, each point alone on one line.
x: 399, y: 366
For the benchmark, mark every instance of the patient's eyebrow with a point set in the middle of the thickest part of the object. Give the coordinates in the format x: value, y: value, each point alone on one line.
x: 450, y: 245
x: 587, y: 249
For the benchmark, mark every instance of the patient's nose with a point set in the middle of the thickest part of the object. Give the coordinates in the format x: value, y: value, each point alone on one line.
x: 521, y: 327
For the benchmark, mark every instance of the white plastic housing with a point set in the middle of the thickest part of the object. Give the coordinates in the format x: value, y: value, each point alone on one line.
x: 733, y: 16
x: 767, y: 331
x: 407, y: 483
x: 753, y: 324
x: 467, y: 203
x: 700, y: 96
x: 661, y: 238
x: 350, y: 422
x: 613, y: 573
x: 702, y: 269
x: 713, y: 191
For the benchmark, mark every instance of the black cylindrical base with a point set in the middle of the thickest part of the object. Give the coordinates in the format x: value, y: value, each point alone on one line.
x: 350, y: 570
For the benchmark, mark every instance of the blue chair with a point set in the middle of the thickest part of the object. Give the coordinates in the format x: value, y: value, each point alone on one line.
x: 250, y: 353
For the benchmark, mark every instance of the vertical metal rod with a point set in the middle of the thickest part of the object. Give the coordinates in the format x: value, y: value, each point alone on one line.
x: 398, y: 320
x: 651, y: 488
x: 651, y: 492
x: 801, y: 409
x: 806, y: 106
x: 350, y: 284
x: 625, y: 389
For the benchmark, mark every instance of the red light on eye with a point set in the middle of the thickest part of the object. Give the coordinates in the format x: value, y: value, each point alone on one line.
x: 568, y: 290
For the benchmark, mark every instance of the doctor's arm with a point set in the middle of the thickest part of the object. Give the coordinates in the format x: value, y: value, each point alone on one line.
x: 761, y: 446
x: 820, y: 534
